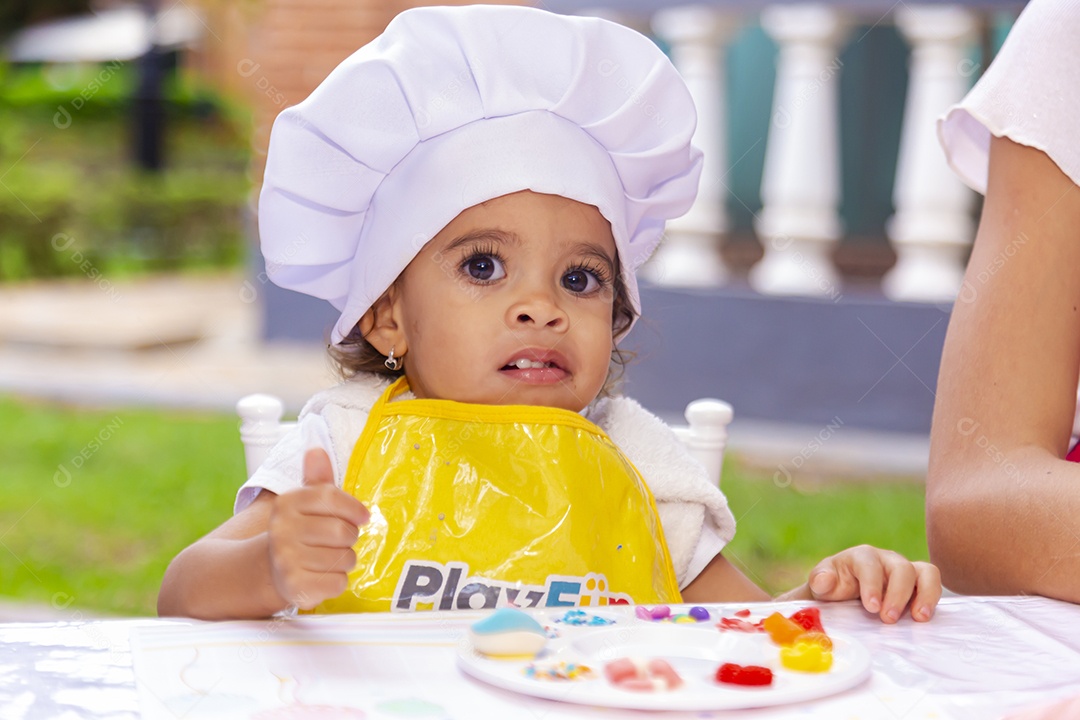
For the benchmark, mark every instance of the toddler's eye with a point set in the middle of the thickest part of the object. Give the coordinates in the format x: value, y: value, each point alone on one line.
x: 580, y: 281
x: 484, y: 267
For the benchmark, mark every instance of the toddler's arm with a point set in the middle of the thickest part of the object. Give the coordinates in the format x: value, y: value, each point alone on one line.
x: 721, y: 581
x: 283, y: 550
x: 884, y: 580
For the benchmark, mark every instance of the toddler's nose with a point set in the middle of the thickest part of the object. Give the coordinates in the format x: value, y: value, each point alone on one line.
x: 527, y: 319
x: 536, y: 311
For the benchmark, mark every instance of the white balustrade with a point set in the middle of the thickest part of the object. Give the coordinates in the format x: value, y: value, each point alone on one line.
x: 690, y: 252
x: 933, y: 223
x: 800, y: 190
x: 799, y: 224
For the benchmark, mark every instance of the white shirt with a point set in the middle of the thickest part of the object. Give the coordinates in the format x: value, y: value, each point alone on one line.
x: 693, y: 512
x: 1029, y: 94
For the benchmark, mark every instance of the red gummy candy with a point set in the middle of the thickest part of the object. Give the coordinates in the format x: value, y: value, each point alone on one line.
x: 745, y: 612
x: 809, y: 618
x: 739, y: 624
x: 753, y: 675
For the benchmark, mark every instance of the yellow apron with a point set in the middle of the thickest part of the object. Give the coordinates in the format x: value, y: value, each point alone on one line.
x: 481, y: 506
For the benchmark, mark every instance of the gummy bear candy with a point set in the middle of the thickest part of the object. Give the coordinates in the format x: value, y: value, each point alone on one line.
x: 806, y: 657
x: 809, y: 618
x: 816, y: 637
x: 754, y: 675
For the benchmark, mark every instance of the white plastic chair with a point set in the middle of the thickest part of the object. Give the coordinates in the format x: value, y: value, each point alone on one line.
x: 705, y: 433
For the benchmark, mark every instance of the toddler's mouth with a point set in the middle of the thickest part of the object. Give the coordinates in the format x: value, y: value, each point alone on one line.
x: 525, y: 363
x: 536, y: 366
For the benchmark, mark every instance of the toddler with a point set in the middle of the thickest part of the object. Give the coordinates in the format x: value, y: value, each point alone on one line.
x: 475, y: 190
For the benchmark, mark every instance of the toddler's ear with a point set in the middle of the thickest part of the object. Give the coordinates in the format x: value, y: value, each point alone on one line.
x: 380, y: 326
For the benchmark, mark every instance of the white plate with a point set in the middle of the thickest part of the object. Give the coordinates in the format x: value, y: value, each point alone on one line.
x: 695, y: 651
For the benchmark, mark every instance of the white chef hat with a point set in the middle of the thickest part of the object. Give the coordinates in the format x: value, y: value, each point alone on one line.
x: 453, y: 106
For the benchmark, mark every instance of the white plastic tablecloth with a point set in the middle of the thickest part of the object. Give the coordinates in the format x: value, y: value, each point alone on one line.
x: 980, y: 658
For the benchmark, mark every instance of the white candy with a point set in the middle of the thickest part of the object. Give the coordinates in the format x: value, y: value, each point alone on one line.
x: 508, y: 644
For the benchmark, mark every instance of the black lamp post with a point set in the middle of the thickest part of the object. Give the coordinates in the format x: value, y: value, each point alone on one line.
x: 149, y: 101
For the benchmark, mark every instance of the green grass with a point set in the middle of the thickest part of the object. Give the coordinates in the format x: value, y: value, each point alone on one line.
x: 95, y: 503
x: 784, y: 531
x: 143, y: 485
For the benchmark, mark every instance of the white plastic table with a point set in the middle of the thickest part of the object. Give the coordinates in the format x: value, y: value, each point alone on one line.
x: 980, y: 658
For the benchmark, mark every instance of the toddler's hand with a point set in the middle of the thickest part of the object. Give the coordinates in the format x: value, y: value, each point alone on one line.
x: 312, y: 531
x: 884, y: 580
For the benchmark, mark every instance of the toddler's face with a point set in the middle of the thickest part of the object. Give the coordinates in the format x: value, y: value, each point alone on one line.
x: 511, y: 303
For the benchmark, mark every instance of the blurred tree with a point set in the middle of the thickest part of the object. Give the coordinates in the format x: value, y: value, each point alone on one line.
x: 17, y: 14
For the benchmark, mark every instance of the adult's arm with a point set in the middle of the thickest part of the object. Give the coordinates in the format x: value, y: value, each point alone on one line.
x: 1003, y: 506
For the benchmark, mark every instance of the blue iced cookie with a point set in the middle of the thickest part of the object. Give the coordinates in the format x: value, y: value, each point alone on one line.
x: 508, y: 633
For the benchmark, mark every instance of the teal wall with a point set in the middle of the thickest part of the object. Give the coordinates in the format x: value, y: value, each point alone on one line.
x: 873, y: 83
x: 751, y: 71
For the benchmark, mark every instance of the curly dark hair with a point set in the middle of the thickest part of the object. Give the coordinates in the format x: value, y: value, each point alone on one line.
x: 354, y: 354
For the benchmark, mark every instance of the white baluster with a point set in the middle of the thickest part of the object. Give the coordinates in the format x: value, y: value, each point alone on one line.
x: 690, y: 252
x: 933, y: 222
x: 800, y: 189
x: 707, y: 435
x: 260, y: 427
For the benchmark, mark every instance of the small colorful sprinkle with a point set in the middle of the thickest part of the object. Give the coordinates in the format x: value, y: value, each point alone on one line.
x: 580, y: 617
x: 558, y: 671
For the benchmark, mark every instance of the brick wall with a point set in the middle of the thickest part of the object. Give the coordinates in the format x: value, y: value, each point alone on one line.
x: 276, y: 51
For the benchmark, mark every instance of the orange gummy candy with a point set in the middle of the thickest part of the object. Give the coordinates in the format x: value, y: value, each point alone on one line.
x: 781, y: 630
